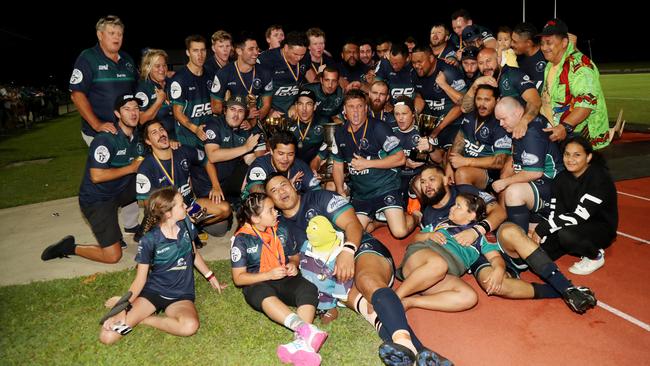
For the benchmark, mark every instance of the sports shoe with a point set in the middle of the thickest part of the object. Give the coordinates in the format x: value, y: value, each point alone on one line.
x: 313, y: 336
x: 133, y: 230
x: 579, y: 299
x: 123, y: 244
x: 298, y: 353
x: 587, y: 266
x: 427, y: 357
x: 394, y: 354
x: 61, y: 249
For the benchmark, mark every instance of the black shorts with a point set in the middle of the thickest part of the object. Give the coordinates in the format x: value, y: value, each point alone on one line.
x: 161, y: 302
x: 542, y: 192
x: 514, y: 266
x: 102, y: 217
x: 370, y: 244
x: 371, y: 207
x: 291, y: 290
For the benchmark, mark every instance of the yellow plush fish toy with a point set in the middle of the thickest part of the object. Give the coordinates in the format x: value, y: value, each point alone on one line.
x: 321, y: 235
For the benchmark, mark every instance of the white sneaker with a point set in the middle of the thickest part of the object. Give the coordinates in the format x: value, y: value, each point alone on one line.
x: 587, y: 266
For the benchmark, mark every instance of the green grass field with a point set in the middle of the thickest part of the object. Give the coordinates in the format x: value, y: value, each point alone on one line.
x: 630, y: 92
x: 56, y: 323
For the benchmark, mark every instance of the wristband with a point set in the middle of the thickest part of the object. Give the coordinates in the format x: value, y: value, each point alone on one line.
x: 567, y: 127
x: 348, y: 246
x: 485, y: 224
x: 208, y: 276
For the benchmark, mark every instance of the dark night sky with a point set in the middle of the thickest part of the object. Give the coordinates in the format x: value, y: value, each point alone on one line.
x: 35, y: 46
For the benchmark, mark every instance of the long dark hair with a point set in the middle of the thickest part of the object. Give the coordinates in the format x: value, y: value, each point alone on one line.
x: 160, y: 202
x: 252, y: 206
x: 475, y: 204
x: 596, y: 157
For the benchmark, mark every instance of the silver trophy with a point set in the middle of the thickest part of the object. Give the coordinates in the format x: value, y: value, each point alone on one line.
x: 426, y: 124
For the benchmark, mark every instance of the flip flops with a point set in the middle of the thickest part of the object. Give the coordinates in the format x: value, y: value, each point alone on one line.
x: 121, y: 304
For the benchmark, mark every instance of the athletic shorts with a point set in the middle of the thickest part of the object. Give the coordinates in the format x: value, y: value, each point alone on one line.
x: 542, y: 193
x: 161, y: 302
x: 371, y: 207
x: 514, y: 266
x: 291, y: 290
x: 102, y: 217
x: 371, y: 245
x: 455, y: 266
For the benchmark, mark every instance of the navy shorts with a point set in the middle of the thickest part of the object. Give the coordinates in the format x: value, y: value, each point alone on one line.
x: 542, y: 193
x: 162, y: 302
x: 371, y: 207
x: 514, y: 266
x: 370, y: 244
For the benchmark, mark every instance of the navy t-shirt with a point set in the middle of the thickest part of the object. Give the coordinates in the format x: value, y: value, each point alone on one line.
x: 399, y: 82
x: 437, y: 102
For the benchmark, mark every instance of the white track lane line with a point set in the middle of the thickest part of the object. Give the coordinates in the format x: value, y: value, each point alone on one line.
x: 633, y: 237
x: 633, y: 195
x: 625, y: 316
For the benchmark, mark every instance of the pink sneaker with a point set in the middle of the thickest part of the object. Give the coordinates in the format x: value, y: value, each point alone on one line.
x: 313, y: 336
x: 298, y: 353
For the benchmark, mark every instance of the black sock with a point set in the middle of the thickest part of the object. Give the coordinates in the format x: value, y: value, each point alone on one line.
x: 390, y: 311
x: 519, y: 215
x: 544, y: 291
x: 546, y: 269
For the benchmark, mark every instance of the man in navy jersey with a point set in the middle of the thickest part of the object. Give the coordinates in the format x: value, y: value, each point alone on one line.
x: 529, y: 54
x: 511, y: 82
x: 469, y: 64
x: 232, y: 148
x: 378, y: 103
x: 288, y: 67
x: 101, y: 74
x: 374, y: 157
x: 482, y: 146
x: 440, y: 45
x: 396, y: 72
x: 108, y: 184
x: 460, y: 19
x: 352, y: 72
x: 221, y: 50
x: 244, y: 78
x: 308, y: 129
x: 439, y: 89
x: 367, y: 54
x: 329, y: 96
x: 317, y: 58
x: 535, y: 161
x: 363, y: 257
x: 274, y: 36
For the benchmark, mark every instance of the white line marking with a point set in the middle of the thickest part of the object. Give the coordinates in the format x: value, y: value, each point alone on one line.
x: 625, y: 316
x: 632, y: 237
x: 633, y: 195
x: 627, y: 98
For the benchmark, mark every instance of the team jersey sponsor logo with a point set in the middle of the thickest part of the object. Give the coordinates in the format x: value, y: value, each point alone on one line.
x: 391, y: 143
x: 398, y: 92
x: 472, y: 149
x: 142, y: 184
x: 102, y: 154
x: 201, y: 154
x: 529, y: 159
x: 216, y: 85
x: 144, y: 99
x: 503, y: 143
x: 486, y: 196
x: 269, y: 86
x: 175, y: 90
x: 235, y: 253
x: 102, y: 67
x: 251, y: 250
x: 211, y: 135
x: 287, y: 91
x: 257, y: 173
x: 77, y: 77
x: 201, y: 110
x: 458, y: 85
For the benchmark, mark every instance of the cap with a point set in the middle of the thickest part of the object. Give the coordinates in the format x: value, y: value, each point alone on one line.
x: 237, y: 100
x: 554, y: 27
x: 470, y: 33
x: 125, y: 98
x: 404, y: 100
x: 307, y: 93
x: 470, y: 53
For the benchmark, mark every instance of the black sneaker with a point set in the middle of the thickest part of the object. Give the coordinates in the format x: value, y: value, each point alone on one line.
x: 393, y: 354
x: 61, y: 249
x: 579, y: 299
x: 138, y: 235
x: 427, y: 357
x: 133, y: 230
x: 123, y: 244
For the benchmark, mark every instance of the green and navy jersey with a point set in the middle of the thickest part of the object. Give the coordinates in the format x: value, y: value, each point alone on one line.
x: 356, y: 73
x: 432, y: 216
x: 171, y: 261
x: 534, y: 67
x: 262, y: 167
x: 378, y: 143
x: 108, y: 151
x: 484, y: 138
x: 312, y: 141
x: 220, y: 133
x: 437, y: 102
x: 102, y: 80
x: 399, y: 83
x: 312, y: 204
x: 285, y: 86
x: 409, y: 140
x: 535, y: 152
x: 146, y: 92
x: 246, y: 249
x: 211, y: 66
x: 152, y: 177
x: 227, y: 79
x: 192, y: 92
x: 327, y: 105
x: 513, y: 83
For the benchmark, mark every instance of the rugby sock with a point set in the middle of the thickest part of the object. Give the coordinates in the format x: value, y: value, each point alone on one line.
x: 519, y: 215
x: 293, y: 321
x: 547, y: 270
x: 544, y: 291
x: 361, y: 307
x: 390, y: 311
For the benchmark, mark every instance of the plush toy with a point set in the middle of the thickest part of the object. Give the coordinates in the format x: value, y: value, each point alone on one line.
x: 322, y: 236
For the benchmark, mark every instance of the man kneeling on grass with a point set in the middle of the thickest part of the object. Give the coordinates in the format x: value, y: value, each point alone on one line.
x: 164, y: 280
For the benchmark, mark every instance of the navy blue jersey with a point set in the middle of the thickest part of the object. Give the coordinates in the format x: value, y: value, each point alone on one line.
x: 534, y: 67
x: 513, y: 83
x: 448, y: 52
x: 383, y: 116
x: 220, y: 133
x: 257, y: 82
x: 483, y: 33
x: 327, y: 105
x: 192, y: 92
x: 536, y: 152
x: 246, y: 249
x: 319, y: 66
x: 356, y: 73
x: 262, y: 167
x: 109, y: 151
x: 102, y: 80
x: 374, y: 140
x: 171, y: 271
x: 431, y: 216
x: 314, y: 203
x: 287, y: 78
x: 212, y: 67
x: 469, y: 81
x: 146, y: 92
x: 485, y: 137
x: 151, y: 176
x: 399, y: 83
x: 310, y: 137
x: 409, y: 140
x: 437, y: 102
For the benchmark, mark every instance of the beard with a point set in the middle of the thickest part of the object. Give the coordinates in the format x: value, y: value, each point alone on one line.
x: 435, y: 199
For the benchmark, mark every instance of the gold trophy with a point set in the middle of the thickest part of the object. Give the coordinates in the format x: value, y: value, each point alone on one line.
x: 426, y: 124
x: 272, y: 125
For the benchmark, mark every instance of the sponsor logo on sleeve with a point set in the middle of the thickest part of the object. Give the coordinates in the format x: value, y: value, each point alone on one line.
x: 235, y: 254
x: 77, y: 77
x: 144, y: 99
x: 102, y: 154
x: 142, y: 184
x: 175, y: 90
x: 257, y: 173
x: 335, y: 203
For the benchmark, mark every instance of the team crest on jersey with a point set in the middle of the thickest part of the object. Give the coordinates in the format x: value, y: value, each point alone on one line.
x: 77, y: 77
x: 201, y: 154
x: 144, y: 99
x: 185, y: 165
x: 235, y: 254
x: 540, y: 66
x: 391, y: 143
x: 175, y: 90
x: 389, y: 200
x: 364, y: 144
x: 529, y: 159
x: 257, y: 83
x: 311, y: 213
x: 211, y: 135
x: 142, y: 184
x: 303, y: 68
x: 484, y: 132
x: 102, y: 154
x: 506, y: 84
x: 318, y: 130
x: 130, y: 67
x: 216, y: 85
x: 257, y: 173
x: 139, y: 148
x: 241, y: 140
x: 415, y: 139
